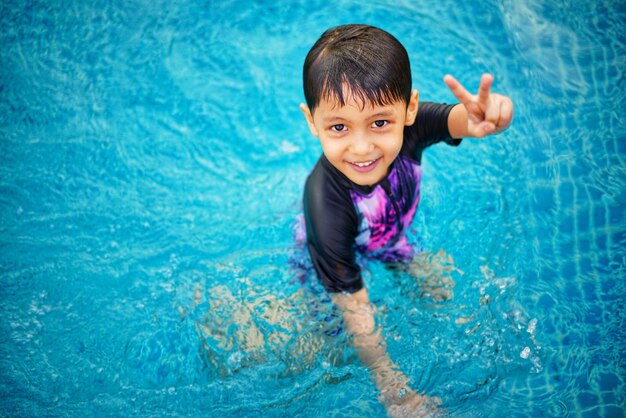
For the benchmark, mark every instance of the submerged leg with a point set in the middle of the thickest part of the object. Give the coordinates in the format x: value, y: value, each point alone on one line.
x: 432, y: 273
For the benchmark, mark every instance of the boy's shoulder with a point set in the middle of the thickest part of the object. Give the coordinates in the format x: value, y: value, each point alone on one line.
x: 327, y: 192
x: 326, y: 181
x: 328, y: 206
x: 430, y: 127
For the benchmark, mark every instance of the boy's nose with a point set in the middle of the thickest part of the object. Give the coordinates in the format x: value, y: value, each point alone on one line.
x: 361, y: 145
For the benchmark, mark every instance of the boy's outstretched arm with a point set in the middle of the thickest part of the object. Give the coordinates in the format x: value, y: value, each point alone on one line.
x: 358, y: 316
x: 480, y: 114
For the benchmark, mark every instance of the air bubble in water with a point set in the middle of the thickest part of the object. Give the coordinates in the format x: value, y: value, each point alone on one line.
x: 525, y: 353
x: 235, y: 359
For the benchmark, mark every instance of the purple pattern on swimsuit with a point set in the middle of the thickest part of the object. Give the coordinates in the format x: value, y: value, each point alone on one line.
x: 382, y: 231
x: 380, y: 234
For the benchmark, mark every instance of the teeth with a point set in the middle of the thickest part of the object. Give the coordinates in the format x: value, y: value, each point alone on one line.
x: 364, y: 164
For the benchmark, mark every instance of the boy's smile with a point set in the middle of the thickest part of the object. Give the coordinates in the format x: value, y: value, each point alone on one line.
x: 361, y: 141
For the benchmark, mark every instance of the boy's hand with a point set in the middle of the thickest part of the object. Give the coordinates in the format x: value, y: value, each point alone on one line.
x: 413, y: 405
x: 487, y: 113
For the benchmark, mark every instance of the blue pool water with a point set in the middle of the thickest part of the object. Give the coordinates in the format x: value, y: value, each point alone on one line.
x: 152, y: 163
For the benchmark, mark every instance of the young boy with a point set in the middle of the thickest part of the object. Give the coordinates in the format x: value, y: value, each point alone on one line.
x: 362, y: 195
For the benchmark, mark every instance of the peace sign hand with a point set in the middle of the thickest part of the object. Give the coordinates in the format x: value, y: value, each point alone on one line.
x: 487, y: 113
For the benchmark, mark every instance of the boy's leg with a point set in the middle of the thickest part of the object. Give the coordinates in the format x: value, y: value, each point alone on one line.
x: 432, y: 273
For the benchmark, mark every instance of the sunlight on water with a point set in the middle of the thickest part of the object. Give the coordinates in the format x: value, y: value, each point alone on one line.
x: 153, y: 158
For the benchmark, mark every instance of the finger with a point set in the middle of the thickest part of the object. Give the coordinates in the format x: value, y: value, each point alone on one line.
x: 492, y: 109
x: 483, y: 129
x: 458, y: 90
x: 483, y: 90
x: 506, y: 114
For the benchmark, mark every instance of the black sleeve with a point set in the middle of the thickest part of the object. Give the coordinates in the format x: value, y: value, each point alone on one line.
x: 331, y: 229
x: 430, y: 127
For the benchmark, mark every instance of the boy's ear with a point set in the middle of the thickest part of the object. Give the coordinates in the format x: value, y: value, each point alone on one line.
x: 309, y: 119
x: 411, y: 109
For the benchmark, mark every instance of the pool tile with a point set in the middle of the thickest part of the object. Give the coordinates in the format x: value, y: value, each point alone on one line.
x: 608, y: 397
x: 566, y: 193
x: 587, y: 399
x: 613, y: 411
x: 591, y: 294
x: 546, y: 302
x: 598, y: 214
x: 592, y: 413
x: 585, y: 265
x: 567, y: 225
x: 582, y: 218
x: 609, y: 381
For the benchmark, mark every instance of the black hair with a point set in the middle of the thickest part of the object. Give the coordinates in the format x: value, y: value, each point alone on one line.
x: 371, y: 63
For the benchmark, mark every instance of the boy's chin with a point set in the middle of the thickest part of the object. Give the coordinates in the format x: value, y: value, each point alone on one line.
x: 365, y: 180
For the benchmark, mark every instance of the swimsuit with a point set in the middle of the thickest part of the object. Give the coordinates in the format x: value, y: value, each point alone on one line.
x: 342, y: 218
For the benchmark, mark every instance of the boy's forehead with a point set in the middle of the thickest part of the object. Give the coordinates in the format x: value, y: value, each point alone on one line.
x: 354, y: 102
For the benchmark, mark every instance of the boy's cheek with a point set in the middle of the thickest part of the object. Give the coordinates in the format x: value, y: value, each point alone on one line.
x: 330, y: 148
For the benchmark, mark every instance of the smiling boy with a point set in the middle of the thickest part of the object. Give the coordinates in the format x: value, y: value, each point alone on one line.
x: 363, y: 192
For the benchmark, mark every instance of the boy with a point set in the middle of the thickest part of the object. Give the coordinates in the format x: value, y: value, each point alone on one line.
x: 362, y: 194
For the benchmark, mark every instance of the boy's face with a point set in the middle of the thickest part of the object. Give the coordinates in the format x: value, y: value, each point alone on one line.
x: 361, y: 141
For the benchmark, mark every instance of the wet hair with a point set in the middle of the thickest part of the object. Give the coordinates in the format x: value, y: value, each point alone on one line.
x: 371, y: 63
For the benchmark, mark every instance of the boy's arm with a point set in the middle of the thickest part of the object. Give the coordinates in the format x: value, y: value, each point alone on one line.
x: 478, y: 115
x: 358, y: 317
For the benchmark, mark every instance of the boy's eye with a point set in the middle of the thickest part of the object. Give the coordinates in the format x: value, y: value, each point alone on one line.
x: 338, y: 128
x: 380, y: 123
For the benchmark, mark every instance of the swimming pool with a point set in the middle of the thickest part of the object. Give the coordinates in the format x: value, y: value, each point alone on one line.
x: 153, y: 158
